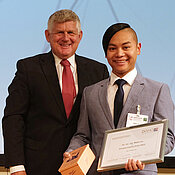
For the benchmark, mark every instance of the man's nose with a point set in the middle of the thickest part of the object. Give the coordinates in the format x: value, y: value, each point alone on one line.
x: 65, y: 36
x: 119, y: 52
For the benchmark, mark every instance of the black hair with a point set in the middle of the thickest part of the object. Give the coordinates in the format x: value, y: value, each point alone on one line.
x: 110, y: 32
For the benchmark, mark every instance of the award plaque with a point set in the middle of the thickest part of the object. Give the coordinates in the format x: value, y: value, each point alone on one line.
x: 82, y: 159
x: 144, y: 142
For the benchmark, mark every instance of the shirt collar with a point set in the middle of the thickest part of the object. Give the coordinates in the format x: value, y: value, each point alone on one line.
x: 129, y: 77
x: 70, y: 59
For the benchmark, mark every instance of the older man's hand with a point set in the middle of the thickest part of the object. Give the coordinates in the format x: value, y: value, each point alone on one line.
x: 19, y: 173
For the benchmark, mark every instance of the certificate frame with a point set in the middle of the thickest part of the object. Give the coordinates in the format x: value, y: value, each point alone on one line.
x: 158, y: 129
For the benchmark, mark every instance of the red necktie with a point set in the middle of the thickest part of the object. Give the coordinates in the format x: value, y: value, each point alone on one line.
x: 68, y: 87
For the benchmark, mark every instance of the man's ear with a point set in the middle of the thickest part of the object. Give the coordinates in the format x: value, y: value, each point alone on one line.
x: 139, y: 48
x: 47, y: 36
x: 81, y: 34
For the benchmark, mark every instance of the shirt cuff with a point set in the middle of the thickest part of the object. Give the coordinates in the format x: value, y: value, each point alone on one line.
x: 17, y: 168
x: 69, y: 150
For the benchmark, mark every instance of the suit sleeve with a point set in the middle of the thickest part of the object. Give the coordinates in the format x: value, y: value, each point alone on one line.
x: 83, y: 134
x: 164, y: 109
x: 13, y: 121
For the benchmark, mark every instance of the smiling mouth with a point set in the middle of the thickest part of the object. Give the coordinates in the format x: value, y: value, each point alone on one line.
x: 65, y: 45
x: 120, y: 61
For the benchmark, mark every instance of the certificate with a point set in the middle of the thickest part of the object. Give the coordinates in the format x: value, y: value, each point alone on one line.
x: 144, y: 142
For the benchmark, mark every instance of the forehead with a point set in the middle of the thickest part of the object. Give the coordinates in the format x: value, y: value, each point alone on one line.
x: 124, y: 36
x: 64, y: 26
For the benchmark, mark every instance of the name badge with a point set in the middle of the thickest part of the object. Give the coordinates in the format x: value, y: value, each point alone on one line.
x: 136, y: 119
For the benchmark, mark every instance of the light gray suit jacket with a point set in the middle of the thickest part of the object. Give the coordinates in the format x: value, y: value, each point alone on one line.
x: 95, y: 116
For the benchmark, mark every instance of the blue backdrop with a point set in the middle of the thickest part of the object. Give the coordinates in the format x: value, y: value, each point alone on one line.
x: 23, y: 24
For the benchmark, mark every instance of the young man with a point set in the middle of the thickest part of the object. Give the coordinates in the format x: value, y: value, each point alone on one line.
x: 98, y: 112
x: 42, y: 108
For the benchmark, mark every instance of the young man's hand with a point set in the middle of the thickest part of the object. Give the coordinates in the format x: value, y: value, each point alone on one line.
x: 133, y: 165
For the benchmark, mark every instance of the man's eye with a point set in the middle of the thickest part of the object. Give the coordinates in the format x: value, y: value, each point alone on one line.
x: 126, y: 47
x: 112, y: 48
x: 71, y: 33
x: 60, y: 32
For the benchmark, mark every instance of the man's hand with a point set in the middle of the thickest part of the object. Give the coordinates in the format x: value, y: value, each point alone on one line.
x: 67, y: 156
x: 19, y: 173
x: 132, y: 165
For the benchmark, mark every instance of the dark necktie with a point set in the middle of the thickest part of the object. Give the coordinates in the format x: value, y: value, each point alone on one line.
x: 68, y: 87
x: 118, y: 101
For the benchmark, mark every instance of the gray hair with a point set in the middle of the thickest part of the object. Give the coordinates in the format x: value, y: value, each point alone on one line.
x: 64, y: 16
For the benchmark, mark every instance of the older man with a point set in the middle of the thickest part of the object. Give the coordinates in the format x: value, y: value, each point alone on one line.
x: 42, y: 108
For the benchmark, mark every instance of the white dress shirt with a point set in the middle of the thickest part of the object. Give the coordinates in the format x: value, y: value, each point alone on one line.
x: 112, y: 87
x: 73, y: 67
x: 59, y: 69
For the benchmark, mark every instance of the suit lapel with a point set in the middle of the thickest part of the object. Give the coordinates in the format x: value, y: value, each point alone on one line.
x: 83, y: 81
x: 49, y: 70
x: 82, y: 73
x: 133, y: 95
x: 102, y: 95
